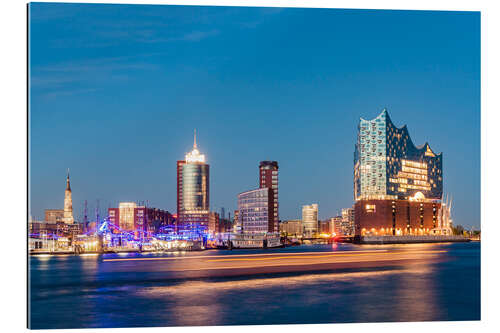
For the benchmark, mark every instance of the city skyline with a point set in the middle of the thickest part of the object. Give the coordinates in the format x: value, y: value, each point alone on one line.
x: 128, y: 152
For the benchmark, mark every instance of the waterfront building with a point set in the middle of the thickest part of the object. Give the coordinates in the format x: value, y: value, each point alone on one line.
x: 324, y: 226
x: 268, y: 177
x: 54, y: 215
x: 347, y: 224
x: 397, y: 186
x: 336, y: 225
x: 213, y: 223
x: 123, y: 217
x: 310, y: 220
x: 193, y: 191
x: 237, y: 222
x: 255, y: 211
x: 68, y: 203
x: 141, y: 220
x: 155, y: 219
x: 291, y: 228
x: 179, y: 191
x: 53, y: 229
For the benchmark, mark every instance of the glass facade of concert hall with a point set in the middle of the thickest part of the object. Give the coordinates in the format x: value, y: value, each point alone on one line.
x: 387, y: 165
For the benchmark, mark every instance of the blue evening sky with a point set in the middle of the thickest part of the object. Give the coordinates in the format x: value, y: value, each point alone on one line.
x: 116, y: 91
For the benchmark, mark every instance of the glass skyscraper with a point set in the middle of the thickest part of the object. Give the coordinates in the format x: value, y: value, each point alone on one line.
x: 195, y: 186
x: 193, y: 203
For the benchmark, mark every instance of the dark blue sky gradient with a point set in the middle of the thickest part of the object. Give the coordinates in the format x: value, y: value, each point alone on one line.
x: 116, y: 91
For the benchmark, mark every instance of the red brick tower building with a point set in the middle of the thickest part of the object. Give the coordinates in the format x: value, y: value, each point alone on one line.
x: 268, y: 178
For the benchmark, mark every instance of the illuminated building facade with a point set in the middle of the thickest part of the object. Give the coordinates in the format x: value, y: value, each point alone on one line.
x: 44, y: 228
x: 179, y: 190
x: 291, y: 227
x: 336, y: 225
x: 237, y: 222
x: 214, y: 223
x: 255, y: 211
x: 126, y: 217
x: 68, y: 203
x: 310, y: 219
x: 397, y: 186
x: 54, y: 215
x: 141, y: 220
x: 324, y: 227
x: 268, y: 177
x: 347, y: 224
x: 193, y: 203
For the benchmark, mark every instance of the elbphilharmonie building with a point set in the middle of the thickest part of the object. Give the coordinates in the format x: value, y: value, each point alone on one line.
x: 397, y: 186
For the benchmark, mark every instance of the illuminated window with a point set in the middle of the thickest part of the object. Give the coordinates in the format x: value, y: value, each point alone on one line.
x: 370, y: 208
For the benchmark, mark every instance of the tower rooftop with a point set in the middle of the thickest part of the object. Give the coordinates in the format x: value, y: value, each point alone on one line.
x: 194, y: 156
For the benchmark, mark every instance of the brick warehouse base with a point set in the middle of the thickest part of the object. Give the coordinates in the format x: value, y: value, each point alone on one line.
x: 395, y: 217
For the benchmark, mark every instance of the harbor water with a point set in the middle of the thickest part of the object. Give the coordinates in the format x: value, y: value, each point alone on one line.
x: 98, y: 291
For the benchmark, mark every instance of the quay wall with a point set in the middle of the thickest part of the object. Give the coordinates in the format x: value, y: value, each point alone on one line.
x: 409, y: 239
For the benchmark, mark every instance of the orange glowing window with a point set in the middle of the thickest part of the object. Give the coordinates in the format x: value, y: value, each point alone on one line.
x: 370, y: 208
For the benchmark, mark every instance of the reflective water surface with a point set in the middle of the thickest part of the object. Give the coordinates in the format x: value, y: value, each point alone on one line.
x: 93, y: 291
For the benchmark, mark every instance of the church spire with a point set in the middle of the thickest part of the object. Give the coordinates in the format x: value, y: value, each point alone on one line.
x: 68, y: 203
x: 67, y: 182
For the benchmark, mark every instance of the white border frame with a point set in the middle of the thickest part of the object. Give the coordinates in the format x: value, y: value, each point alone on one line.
x: 13, y: 166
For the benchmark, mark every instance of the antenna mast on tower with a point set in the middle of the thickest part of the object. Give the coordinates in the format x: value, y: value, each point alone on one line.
x: 85, y: 217
x: 97, y: 215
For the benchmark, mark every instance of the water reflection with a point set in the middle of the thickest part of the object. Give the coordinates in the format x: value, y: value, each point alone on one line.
x: 199, y: 287
x: 203, y: 299
x: 84, y: 291
x: 423, y: 307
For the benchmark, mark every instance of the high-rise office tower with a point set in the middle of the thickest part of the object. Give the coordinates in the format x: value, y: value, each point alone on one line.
x: 255, y: 209
x: 268, y: 178
x: 193, y: 191
x: 397, y: 186
x: 310, y: 219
